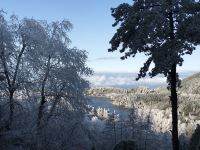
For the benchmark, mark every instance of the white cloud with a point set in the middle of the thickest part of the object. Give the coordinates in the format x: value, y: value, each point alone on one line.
x: 127, y: 80
x: 103, y: 59
x: 124, y: 80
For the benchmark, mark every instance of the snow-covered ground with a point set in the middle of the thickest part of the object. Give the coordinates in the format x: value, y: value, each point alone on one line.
x: 147, y: 134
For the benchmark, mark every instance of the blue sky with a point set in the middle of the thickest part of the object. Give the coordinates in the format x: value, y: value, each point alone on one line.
x: 92, y: 30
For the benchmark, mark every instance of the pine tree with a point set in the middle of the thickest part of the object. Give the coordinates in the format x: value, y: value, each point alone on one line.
x: 110, y: 132
x: 164, y: 30
x: 132, y: 120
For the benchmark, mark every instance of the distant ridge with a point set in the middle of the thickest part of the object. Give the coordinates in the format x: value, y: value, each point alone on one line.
x: 191, y: 85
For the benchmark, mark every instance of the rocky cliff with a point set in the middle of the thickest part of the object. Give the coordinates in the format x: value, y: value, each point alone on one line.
x: 155, y: 103
x: 191, y: 85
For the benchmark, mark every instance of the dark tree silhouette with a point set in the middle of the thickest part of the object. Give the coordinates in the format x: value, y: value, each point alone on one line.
x: 164, y: 30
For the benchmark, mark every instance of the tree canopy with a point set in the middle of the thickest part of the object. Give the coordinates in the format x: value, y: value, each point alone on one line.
x: 36, y: 60
x: 144, y: 27
x: 164, y: 30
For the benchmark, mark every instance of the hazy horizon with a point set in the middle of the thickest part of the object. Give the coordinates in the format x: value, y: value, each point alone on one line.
x: 127, y: 79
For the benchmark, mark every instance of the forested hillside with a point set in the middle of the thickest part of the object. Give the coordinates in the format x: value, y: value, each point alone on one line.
x: 154, y: 104
x: 191, y: 85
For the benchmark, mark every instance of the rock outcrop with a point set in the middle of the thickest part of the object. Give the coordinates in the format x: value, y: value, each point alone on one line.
x: 155, y: 104
x: 191, y: 85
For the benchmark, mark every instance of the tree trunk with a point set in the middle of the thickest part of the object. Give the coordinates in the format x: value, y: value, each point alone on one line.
x: 52, y: 109
x: 175, y: 141
x: 11, y: 84
x: 115, y: 134
x: 43, y: 99
x: 40, y: 112
x: 11, y: 113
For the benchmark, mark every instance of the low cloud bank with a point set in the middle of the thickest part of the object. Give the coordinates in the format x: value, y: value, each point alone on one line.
x: 127, y: 80
x: 124, y: 80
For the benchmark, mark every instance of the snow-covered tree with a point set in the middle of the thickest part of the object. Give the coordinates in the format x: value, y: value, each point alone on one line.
x: 42, y: 84
x: 18, y: 37
x: 132, y: 120
x: 60, y: 71
x: 164, y: 30
x: 110, y: 130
